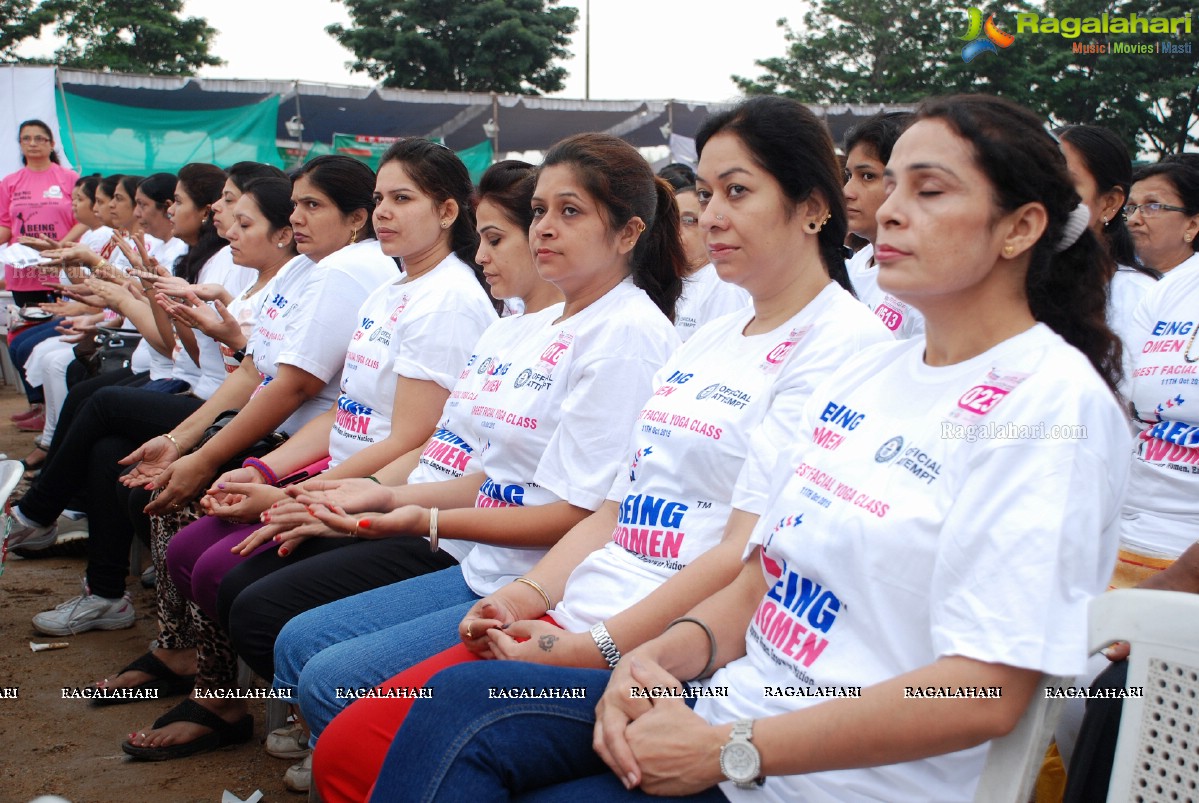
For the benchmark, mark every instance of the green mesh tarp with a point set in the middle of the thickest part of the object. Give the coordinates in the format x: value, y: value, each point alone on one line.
x: 109, y: 138
x: 369, y: 150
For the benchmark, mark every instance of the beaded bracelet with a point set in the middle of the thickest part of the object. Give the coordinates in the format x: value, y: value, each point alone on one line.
x: 262, y: 468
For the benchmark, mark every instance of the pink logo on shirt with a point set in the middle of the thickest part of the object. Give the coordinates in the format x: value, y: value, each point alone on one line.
x: 981, y: 398
x: 780, y: 352
x: 891, y: 318
x: 554, y: 352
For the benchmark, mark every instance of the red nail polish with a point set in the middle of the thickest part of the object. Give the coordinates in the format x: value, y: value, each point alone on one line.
x: 364, y: 524
x: 266, y: 517
x: 284, y: 552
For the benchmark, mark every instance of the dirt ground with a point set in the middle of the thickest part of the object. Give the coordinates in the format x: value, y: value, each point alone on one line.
x: 51, y: 745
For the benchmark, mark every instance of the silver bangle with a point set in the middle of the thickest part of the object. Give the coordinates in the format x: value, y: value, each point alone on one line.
x: 607, y: 647
x: 703, y: 673
x: 432, y: 528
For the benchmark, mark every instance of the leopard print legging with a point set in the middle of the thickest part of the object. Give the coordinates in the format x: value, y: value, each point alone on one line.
x: 181, y: 623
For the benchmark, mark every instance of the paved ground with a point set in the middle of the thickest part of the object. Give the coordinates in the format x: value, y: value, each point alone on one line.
x: 51, y: 745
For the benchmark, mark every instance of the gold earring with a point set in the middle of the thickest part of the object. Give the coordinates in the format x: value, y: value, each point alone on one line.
x: 353, y: 236
x: 1008, y: 250
x: 445, y: 224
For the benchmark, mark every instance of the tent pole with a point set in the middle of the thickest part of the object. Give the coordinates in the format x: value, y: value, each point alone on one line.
x: 300, y: 117
x: 70, y: 129
x: 495, y: 116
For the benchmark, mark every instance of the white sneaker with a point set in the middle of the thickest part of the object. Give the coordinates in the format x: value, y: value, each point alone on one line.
x: 86, y: 612
x: 298, y: 778
x: 290, y: 741
x: 25, y: 540
x: 71, y: 527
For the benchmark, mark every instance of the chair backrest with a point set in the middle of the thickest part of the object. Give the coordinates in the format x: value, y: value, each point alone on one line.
x: 1157, y: 750
x: 1014, y: 760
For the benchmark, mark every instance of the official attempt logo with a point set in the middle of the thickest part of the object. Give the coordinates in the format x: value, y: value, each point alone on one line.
x: 983, y: 38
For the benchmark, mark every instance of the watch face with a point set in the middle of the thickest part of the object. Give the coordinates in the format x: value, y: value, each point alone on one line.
x: 740, y: 762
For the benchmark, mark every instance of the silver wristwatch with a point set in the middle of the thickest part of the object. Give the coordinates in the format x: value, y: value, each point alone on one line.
x: 739, y: 759
x: 607, y: 647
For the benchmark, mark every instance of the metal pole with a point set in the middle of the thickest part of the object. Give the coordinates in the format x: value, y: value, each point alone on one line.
x: 62, y: 90
x: 300, y: 117
x: 495, y: 118
x: 587, y: 50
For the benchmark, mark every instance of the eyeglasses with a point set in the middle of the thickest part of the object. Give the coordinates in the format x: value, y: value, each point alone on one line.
x: 36, y: 139
x: 1149, y: 210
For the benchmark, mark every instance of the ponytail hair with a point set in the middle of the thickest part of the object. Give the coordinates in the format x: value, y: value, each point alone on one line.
x: 440, y: 174
x: 1106, y: 159
x: 203, y: 184
x: 621, y: 182
x: 787, y: 141
x: 1066, y: 289
x: 349, y: 184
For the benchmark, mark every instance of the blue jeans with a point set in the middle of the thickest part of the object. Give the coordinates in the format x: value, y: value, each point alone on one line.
x: 361, y: 641
x: 461, y: 744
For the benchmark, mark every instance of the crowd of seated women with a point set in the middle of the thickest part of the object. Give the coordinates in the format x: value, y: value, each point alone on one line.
x: 589, y: 482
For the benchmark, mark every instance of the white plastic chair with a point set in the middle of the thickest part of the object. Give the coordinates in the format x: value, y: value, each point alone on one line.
x: 1013, y: 761
x: 1157, y: 752
x: 11, y: 472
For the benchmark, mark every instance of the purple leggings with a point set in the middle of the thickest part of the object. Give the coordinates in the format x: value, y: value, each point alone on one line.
x: 199, y: 557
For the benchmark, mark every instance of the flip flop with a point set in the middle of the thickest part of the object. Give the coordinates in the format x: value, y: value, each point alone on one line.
x: 223, y: 733
x: 167, y: 683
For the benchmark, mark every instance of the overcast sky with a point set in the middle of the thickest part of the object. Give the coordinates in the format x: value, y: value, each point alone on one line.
x: 656, y: 49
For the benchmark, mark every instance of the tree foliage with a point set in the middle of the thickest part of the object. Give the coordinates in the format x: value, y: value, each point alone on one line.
x: 137, y: 36
x: 19, y: 20
x: 886, y: 51
x: 464, y: 45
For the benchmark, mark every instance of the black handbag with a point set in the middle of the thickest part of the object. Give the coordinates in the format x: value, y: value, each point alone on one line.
x: 110, y: 350
x: 259, y: 448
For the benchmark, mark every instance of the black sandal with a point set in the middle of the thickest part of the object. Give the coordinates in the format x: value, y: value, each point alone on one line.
x: 223, y: 733
x: 165, y: 681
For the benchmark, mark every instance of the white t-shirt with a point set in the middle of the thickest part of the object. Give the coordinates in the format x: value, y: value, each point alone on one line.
x: 706, y: 297
x: 1124, y: 294
x: 450, y: 452
x: 721, y: 397
x: 160, y: 366
x: 554, y: 420
x: 938, y: 524
x: 423, y: 329
x: 309, y: 315
x: 901, y: 318
x: 1161, y: 513
x: 219, y: 269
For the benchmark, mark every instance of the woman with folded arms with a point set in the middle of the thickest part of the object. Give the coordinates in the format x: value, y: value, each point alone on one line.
x: 925, y: 550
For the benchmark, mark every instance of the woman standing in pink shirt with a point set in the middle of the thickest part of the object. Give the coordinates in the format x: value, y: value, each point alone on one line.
x: 35, y: 201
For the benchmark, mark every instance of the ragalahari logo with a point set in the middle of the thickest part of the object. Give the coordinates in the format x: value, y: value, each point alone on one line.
x: 991, y: 37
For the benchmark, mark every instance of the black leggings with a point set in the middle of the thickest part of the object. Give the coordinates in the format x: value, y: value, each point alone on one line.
x: 83, y: 465
x: 261, y: 595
